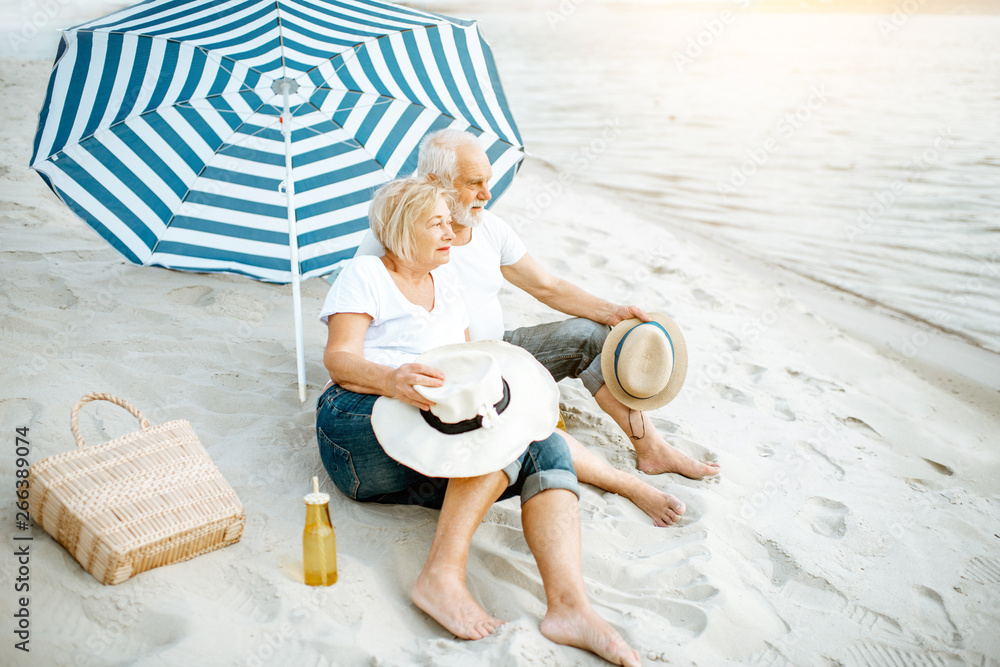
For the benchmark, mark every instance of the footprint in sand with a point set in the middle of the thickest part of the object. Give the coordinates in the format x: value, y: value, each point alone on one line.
x: 770, y: 405
x: 597, y: 261
x: 196, y: 295
x: 813, y: 385
x: 664, y: 270
x: 935, y: 620
x: 705, y: 299
x: 940, y: 468
x: 252, y: 598
x: 752, y: 371
x: 561, y: 266
x: 886, y: 655
x: 858, y: 425
x: 762, y: 402
x: 983, y: 570
x: 825, y: 517
x: 830, y: 469
x: 734, y: 395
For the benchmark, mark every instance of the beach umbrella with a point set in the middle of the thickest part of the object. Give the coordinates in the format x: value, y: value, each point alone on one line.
x: 248, y: 136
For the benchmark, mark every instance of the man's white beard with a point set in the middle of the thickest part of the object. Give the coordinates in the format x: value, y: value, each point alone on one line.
x: 468, y: 216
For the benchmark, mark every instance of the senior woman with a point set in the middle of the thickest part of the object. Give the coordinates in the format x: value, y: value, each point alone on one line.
x: 383, y: 312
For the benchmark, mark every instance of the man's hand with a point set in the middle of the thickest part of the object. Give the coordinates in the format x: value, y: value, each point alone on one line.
x: 622, y: 313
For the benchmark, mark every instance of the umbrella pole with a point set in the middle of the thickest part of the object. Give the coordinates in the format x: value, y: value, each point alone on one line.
x: 293, y: 245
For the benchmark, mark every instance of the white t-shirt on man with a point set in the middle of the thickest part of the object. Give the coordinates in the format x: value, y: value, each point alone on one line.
x: 477, y: 266
x: 400, y: 330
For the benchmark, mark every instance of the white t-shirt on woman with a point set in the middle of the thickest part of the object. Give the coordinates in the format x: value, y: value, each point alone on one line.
x: 400, y: 330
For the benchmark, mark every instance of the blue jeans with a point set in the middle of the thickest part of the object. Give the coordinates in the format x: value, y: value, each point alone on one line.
x: 361, y: 469
x: 571, y: 348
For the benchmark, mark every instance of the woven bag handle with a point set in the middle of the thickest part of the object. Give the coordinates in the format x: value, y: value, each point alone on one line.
x: 74, y: 417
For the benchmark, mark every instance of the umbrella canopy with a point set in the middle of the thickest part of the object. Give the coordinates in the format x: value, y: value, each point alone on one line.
x: 162, y: 125
x: 248, y: 136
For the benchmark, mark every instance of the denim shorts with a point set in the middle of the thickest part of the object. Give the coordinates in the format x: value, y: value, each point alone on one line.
x: 361, y: 469
x: 567, y: 349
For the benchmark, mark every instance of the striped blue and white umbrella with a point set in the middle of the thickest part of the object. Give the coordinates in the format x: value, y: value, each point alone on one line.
x: 247, y: 136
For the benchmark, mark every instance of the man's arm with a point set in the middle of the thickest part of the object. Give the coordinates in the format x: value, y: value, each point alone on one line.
x: 528, y: 274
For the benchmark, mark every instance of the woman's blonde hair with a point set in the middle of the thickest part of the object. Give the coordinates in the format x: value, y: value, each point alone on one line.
x: 398, y: 206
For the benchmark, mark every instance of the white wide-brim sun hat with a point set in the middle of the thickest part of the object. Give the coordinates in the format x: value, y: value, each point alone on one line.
x: 644, y: 363
x: 496, y: 400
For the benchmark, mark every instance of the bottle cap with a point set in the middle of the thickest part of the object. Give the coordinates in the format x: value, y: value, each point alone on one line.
x: 316, y: 498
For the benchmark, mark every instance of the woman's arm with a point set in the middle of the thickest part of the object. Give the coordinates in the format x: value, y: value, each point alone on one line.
x: 344, y: 358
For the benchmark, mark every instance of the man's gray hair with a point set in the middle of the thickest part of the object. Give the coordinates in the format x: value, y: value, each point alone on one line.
x: 437, y: 153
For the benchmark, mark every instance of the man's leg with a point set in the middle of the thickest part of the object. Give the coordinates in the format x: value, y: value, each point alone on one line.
x: 663, y: 508
x: 440, y: 589
x: 572, y: 348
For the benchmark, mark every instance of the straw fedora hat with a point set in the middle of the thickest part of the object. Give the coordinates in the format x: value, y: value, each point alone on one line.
x: 496, y: 400
x: 644, y: 363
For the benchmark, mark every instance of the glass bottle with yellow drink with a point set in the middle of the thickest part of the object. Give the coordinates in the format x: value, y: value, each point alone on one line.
x: 319, y: 543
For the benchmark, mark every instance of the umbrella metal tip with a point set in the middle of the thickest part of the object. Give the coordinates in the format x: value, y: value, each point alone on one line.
x: 285, y: 84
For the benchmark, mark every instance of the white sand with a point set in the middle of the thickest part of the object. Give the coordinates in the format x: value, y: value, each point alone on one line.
x: 856, y: 520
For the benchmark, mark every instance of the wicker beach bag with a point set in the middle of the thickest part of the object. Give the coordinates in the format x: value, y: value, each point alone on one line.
x: 149, y: 498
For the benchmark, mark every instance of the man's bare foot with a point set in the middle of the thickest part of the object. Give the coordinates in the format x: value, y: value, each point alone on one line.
x: 442, y: 595
x: 663, y: 508
x: 584, y: 629
x: 655, y: 456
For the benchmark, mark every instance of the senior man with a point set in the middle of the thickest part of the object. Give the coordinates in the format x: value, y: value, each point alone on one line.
x: 487, y: 251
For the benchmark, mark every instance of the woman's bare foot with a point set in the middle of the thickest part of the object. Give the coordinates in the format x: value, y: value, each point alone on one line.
x: 654, y: 456
x: 584, y: 629
x: 442, y: 595
x: 663, y: 508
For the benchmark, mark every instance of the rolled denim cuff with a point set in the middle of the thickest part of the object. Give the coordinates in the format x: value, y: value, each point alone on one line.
x: 593, y: 377
x: 513, y: 470
x: 549, y: 479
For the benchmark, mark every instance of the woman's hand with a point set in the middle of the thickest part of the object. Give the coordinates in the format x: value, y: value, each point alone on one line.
x: 406, y: 376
